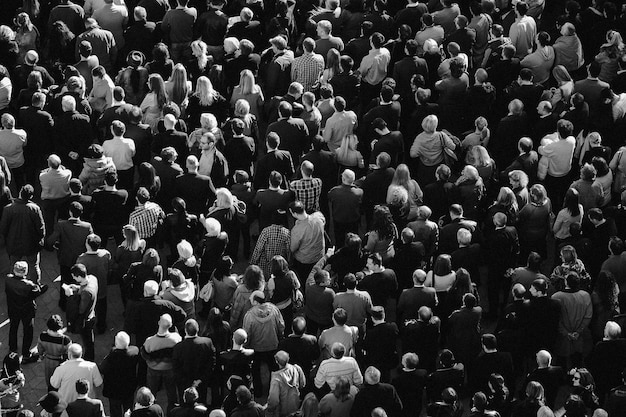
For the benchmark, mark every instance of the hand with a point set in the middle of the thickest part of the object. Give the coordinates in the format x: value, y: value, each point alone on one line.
x: 374, y: 143
x: 197, y: 382
x: 330, y: 251
x: 73, y: 155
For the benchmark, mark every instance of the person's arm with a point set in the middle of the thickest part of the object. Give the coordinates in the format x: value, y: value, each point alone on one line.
x: 320, y: 377
x: 295, y: 239
x: 96, y: 377
x: 414, y: 151
x: 357, y: 377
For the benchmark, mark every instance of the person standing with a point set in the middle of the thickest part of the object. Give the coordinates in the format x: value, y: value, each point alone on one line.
x: 98, y: 264
x: 52, y: 346
x: 265, y: 327
x: 308, y: 189
x: 83, y: 406
x: 522, y: 31
x: 109, y: 209
x: 21, y: 293
x: 119, y: 369
x: 285, y: 386
x: 373, y: 69
x: 147, y: 218
x: 24, y: 230
x: 157, y: 351
x: 194, y: 361
x: 12, y: 143
x: 177, y: 26
x: 82, y: 306
x: 55, y: 188
x: 345, y: 203
x: 68, y: 239
x: 307, y: 68
x: 307, y: 239
x: 121, y: 150
x: 74, y: 368
x: 503, y: 244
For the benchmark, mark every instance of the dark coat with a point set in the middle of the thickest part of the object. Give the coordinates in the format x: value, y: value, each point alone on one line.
x: 70, y: 236
x: 38, y: 124
x: 193, y: 358
x: 489, y: 363
x: 85, y: 407
x: 21, y: 294
x: 277, y: 160
x: 119, y: 370
x: 196, y: 190
x: 378, y: 395
x: 23, y: 228
x: 143, y: 317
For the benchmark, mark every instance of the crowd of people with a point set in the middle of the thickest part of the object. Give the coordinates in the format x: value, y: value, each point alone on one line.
x: 375, y: 165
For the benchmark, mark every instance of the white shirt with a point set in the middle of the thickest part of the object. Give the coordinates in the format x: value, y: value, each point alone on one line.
x: 121, y: 150
x: 65, y: 376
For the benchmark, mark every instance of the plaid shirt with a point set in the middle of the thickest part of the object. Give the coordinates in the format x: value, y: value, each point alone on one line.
x: 146, y: 219
x: 273, y: 240
x: 308, y: 190
x: 306, y: 69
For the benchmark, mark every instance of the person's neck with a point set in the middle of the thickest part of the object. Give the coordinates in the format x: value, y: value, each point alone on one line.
x: 110, y: 188
x: 544, y: 366
x: 490, y: 350
x: 349, y: 291
x: 377, y: 322
x: 118, y: 137
x: 192, y: 171
x: 187, y: 336
x: 82, y: 396
x: 73, y: 218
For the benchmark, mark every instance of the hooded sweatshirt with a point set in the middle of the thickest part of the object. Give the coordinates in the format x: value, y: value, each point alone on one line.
x: 94, y: 170
x: 284, y: 396
x: 265, y: 326
x: 540, y: 63
x: 183, y: 296
x: 569, y: 52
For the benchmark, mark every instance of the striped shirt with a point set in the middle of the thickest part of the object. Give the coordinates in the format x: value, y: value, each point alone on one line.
x: 332, y: 368
x: 306, y: 69
x: 146, y: 219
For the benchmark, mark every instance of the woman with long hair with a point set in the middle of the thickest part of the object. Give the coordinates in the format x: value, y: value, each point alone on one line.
x: 152, y: 104
x: 534, y: 400
x: 583, y: 385
x: 161, y: 63
x: 498, y: 395
x: 569, y: 263
x: 441, y: 277
x: 505, y: 203
x: 201, y: 61
x: 133, y: 78
x: 224, y: 283
x: 348, y: 156
x: 249, y: 90
x: 205, y: 100
x: 127, y: 253
x: 208, y: 125
x: 485, y: 164
x: 148, y: 178
x: 218, y: 329
x: 332, y: 68
x: 572, y: 212
x: 604, y: 299
x: 533, y: 223
x: 252, y: 280
x: 149, y: 269
x: 61, y: 44
x: 338, y: 403
x: 382, y: 234
x: 178, y: 88
x: 604, y: 178
x: 250, y: 122
x: 281, y: 286
x: 463, y: 284
x: 471, y: 191
x: 449, y: 406
x: 26, y: 35
x: 428, y: 148
x: 518, y: 181
x: 228, y: 210
x: 187, y: 262
x: 560, y: 95
x: 402, y: 177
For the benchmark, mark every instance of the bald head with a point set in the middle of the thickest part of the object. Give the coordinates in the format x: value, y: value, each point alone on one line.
x: 282, y: 358
x: 150, y: 288
x: 165, y: 323
x: 169, y: 121
x: 419, y: 277
x: 192, y: 163
x: 544, y: 358
x: 54, y: 161
x: 75, y: 351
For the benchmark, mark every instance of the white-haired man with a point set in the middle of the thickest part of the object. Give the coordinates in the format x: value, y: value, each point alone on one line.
x: 74, y: 368
x: 119, y: 369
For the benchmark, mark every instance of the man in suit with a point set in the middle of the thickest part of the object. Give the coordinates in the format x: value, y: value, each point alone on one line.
x: 171, y: 137
x: 274, y: 160
x: 503, y: 245
x: 608, y: 359
x: 247, y: 28
x: 302, y: 347
x: 412, y: 299
x: 386, y: 108
x: 293, y: 97
x: 167, y: 169
x: 467, y: 255
x: 380, y: 343
x: 69, y: 238
x: 410, y: 255
x: 197, y: 190
x: 488, y: 362
x: 84, y: 406
x: 273, y: 200
x: 375, y: 184
x: 550, y: 377
x: 448, y: 241
x: 73, y: 135
x: 591, y: 88
x: 543, y: 315
x: 408, y: 66
x: 194, y: 361
x: 38, y: 124
x: 140, y: 36
x: 510, y: 129
x: 102, y: 42
x: 293, y: 133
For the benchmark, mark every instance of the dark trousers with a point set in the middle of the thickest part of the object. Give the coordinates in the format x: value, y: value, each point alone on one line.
x: 18, y: 178
x: 107, y: 231
x: 119, y: 407
x: 497, y: 283
x: 367, y: 93
x: 125, y: 179
x: 50, y: 210
x: 557, y: 187
x: 340, y: 232
x: 101, y: 314
x: 315, y: 328
x: 302, y: 271
x: 66, y: 278
x: 28, y: 320
x: 89, y: 339
x: 259, y: 358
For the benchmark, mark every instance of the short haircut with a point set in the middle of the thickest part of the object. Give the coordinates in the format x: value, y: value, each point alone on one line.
x: 489, y: 341
x: 93, y: 241
x: 565, y: 128
x: 118, y: 128
x: 82, y: 386
x: 464, y: 236
x: 340, y: 316
x: 78, y: 270
x: 273, y: 140
x: 191, y: 327
x: 350, y: 281
x: 378, y: 313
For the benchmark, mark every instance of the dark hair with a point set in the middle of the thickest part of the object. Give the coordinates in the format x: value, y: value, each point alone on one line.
x: 443, y: 265
x: 489, y: 341
x: 340, y: 316
x: 565, y: 128
x: 382, y: 223
x: 78, y: 270
x: 377, y: 39
x: 253, y: 277
x: 279, y: 266
x: 599, y: 163
x: 607, y: 291
x: 573, y: 281
x: 571, y: 202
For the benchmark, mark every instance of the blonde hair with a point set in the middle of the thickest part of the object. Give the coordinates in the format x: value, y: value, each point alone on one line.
x: 247, y: 83
x: 199, y: 50
x: 223, y: 198
x: 430, y: 123
x: 481, y: 156
x: 348, y: 144
x: 205, y: 92
x: 208, y: 121
x: 242, y: 110
x: 180, y: 87
x: 506, y: 197
x: 131, y: 240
